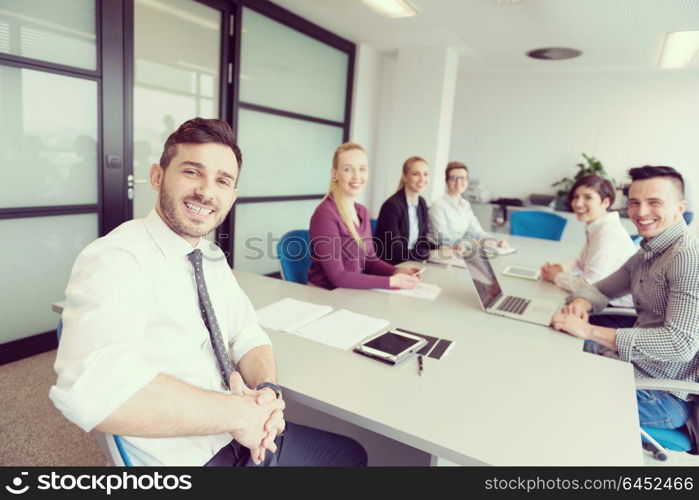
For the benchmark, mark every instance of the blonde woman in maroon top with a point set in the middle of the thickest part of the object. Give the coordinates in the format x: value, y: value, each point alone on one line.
x: 342, y: 250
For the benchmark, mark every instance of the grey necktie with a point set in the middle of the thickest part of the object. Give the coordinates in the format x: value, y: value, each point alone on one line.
x: 207, y: 313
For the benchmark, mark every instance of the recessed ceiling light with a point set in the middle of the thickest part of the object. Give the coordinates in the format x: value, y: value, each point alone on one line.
x: 679, y: 50
x: 554, y: 53
x: 392, y: 8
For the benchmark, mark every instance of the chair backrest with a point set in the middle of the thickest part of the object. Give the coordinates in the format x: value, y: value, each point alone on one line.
x: 110, y: 444
x: 537, y: 224
x: 688, y: 216
x: 294, y: 254
x: 374, y: 223
x: 636, y: 238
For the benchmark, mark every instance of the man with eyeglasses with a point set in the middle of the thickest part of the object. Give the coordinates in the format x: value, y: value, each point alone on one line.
x: 451, y: 218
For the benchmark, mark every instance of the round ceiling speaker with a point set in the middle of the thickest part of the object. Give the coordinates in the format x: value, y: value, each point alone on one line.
x: 554, y: 53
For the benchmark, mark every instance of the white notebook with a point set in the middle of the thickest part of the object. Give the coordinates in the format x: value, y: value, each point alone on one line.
x: 290, y: 314
x: 343, y: 328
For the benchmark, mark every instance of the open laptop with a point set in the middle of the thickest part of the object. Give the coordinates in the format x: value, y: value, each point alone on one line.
x: 495, y: 302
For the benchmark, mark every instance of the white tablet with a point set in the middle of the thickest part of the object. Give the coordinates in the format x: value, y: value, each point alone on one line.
x: 391, y: 347
x: 522, y: 272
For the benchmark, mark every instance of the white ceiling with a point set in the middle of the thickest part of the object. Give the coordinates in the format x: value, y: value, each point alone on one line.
x: 614, y: 35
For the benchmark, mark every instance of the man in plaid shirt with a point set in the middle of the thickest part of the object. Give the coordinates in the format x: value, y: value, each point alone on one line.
x: 663, y: 278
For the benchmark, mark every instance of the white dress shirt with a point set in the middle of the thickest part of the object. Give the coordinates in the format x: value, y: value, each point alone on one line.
x: 450, y: 221
x: 607, y: 246
x: 413, y: 225
x: 132, y: 311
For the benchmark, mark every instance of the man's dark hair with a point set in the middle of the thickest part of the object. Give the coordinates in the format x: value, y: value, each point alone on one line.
x: 603, y: 186
x: 200, y: 131
x: 650, y: 172
x: 453, y: 165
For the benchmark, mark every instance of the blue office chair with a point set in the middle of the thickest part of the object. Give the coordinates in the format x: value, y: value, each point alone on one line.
x: 111, y: 444
x: 294, y: 254
x: 684, y: 439
x: 537, y: 224
x: 688, y: 216
x: 374, y: 223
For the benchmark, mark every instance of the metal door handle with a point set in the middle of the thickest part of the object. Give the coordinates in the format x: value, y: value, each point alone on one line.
x: 130, y: 182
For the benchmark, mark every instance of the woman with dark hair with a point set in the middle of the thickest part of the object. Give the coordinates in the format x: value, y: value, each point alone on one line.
x: 403, y: 223
x: 607, y: 245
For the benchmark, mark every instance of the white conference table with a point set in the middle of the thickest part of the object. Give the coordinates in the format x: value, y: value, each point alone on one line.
x: 508, y: 392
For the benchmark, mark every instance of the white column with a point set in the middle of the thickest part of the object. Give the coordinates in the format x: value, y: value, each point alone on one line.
x: 415, y: 117
x: 365, y: 103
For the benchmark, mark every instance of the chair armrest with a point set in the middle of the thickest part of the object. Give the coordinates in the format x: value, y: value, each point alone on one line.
x: 662, y: 384
x: 617, y: 311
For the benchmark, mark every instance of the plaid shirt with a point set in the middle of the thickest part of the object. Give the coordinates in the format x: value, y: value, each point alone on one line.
x: 663, y: 278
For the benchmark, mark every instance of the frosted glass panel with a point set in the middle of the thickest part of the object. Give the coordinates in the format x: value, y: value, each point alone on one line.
x: 61, y: 32
x: 38, y: 255
x: 284, y: 156
x: 48, y: 139
x: 177, y: 51
x: 258, y: 228
x: 284, y: 69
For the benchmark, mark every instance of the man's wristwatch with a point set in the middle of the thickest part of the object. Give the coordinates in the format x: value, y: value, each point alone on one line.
x: 274, y: 387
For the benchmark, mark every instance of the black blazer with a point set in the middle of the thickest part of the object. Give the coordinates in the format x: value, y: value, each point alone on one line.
x: 393, y: 230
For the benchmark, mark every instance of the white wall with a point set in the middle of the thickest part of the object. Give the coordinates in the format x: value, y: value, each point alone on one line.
x: 382, y: 180
x: 413, y: 113
x: 521, y: 132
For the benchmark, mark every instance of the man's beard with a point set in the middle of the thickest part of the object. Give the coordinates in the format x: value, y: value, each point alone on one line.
x: 177, y: 219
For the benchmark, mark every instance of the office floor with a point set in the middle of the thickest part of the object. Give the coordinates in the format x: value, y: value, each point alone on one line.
x: 34, y: 432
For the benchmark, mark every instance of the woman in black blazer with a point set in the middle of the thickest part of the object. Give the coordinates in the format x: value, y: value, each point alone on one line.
x: 403, y: 225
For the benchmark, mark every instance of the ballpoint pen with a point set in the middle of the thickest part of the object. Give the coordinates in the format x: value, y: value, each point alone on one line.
x: 419, y: 364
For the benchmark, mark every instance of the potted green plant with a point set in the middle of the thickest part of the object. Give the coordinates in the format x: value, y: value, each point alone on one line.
x: 592, y: 166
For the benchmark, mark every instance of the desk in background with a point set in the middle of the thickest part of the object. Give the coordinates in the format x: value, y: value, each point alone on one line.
x: 574, y: 232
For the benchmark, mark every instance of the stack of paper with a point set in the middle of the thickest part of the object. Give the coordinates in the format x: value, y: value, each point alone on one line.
x: 290, y: 314
x: 504, y: 251
x: 451, y: 260
x: 342, y: 329
x: 451, y: 257
x: 422, y: 291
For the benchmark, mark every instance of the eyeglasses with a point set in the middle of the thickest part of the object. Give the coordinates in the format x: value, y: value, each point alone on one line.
x: 454, y: 178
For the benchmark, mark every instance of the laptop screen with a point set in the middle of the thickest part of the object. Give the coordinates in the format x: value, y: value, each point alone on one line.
x: 484, y: 278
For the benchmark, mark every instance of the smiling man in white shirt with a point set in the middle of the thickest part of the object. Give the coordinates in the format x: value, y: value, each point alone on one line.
x: 147, y: 305
x: 452, y: 221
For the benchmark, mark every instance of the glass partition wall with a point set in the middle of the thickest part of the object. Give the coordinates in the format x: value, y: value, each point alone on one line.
x: 50, y: 142
x: 293, y: 111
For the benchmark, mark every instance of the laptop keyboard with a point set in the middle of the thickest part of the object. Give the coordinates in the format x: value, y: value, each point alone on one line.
x: 514, y: 305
